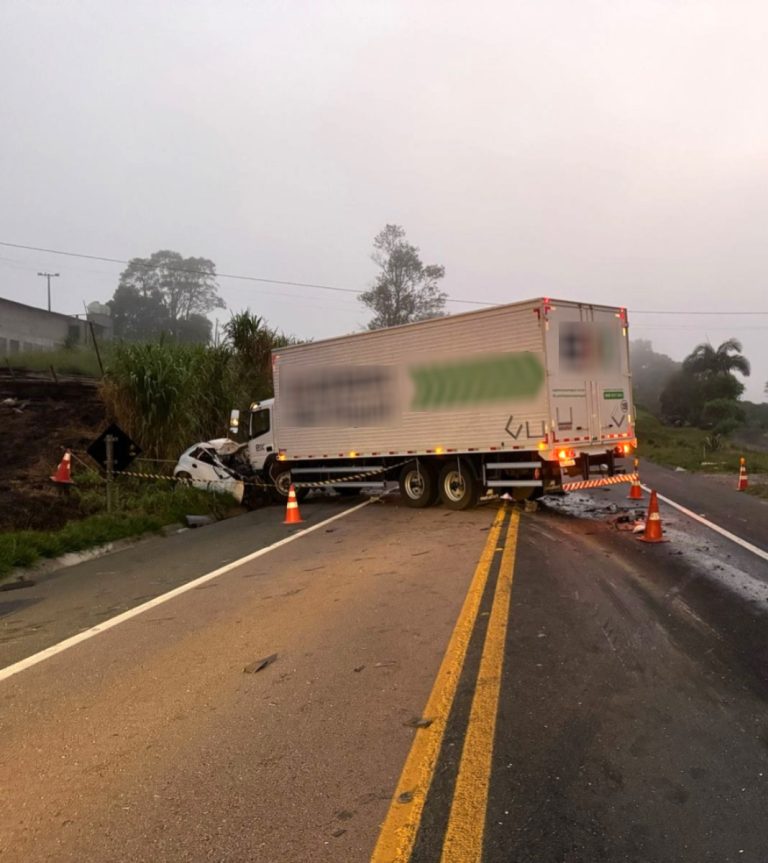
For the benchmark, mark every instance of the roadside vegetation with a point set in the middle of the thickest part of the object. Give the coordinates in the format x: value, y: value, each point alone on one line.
x: 693, y: 448
x: 691, y: 415
x: 168, y: 380
x: 166, y: 395
x: 64, y: 361
x: 140, y: 507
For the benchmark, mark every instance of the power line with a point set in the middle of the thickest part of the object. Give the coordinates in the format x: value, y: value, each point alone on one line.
x: 221, y: 275
x: 181, y: 269
x: 689, y: 312
x: 336, y: 288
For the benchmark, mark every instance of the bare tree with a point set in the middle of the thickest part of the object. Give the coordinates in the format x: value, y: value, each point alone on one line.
x: 405, y: 289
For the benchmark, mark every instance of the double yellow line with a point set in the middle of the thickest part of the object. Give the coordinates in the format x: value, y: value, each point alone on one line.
x: 463, y: 842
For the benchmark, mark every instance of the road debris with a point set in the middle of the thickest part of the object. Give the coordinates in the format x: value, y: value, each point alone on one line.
x: 418, y: 722
x: 198, y: 520
x: 260, y: 664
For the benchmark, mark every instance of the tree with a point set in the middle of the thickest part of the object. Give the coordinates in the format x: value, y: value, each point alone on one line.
x: 165, y: 293
x: 138, y: 315
x: 708, y: 361
x: 699, y: 394
x: 253, y: 341
x: 405, y: 289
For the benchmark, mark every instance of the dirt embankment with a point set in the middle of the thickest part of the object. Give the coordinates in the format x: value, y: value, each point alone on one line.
x: 38, y: 419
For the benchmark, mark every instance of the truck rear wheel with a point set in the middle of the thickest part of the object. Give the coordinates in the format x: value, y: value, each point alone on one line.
x: 418, y: 487
x: 457, y: 486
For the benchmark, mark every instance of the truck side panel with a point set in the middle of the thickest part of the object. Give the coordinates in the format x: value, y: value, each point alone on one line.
x: 461, y: 383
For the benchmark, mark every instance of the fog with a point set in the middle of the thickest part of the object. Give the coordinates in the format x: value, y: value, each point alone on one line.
x: 596, y: 151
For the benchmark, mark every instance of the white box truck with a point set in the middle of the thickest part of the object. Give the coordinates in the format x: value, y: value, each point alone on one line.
x: 513, y: 398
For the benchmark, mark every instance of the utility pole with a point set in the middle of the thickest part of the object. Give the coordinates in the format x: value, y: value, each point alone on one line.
x: 48, y: 277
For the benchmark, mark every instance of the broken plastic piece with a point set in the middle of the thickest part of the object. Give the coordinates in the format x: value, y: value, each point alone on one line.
x: 259, y: 664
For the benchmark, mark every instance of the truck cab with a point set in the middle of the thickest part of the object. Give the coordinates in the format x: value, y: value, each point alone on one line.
x: 260, y: 433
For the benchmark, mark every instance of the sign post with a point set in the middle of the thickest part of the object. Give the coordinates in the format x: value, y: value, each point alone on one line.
x: 114, y: 451
x: 109, y: 442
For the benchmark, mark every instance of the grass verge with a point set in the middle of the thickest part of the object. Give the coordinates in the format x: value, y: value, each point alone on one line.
x: 66, y: 361
x: 692, y: 448
x: 140, y: 507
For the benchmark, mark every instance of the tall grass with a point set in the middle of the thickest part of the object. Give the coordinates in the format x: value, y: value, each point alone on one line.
x: 168, y: 396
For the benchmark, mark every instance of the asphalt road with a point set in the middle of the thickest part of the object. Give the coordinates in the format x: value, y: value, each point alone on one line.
x: 581, y: 696
x: 67, y: 601
x: 715, y: 497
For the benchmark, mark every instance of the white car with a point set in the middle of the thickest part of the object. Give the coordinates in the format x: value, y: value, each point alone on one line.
x: 204, y: 464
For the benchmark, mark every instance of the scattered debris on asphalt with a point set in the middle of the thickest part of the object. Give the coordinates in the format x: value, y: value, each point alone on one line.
x: 260, y: 664
x: 418, y: 722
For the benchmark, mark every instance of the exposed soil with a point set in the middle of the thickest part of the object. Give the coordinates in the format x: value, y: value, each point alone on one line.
x: 39, y: 418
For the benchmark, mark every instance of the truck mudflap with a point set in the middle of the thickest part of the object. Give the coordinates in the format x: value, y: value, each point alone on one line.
x: 599, y: 482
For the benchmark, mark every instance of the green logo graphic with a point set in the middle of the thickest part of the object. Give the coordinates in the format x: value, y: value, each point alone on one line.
x: 486, y: 378
x: 613, y: 394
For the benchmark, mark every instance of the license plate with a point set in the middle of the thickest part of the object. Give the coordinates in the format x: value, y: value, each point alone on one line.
x: 567, y: 462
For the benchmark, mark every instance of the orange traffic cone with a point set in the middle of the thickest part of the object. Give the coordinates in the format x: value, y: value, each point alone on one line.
x: 653, y: 532
x: 63, y: 474
x: 292, y: 515
x: 635, y: 490
x: 743, y: 478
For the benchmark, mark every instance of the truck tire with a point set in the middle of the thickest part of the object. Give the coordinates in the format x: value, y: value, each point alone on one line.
x: 418, y: 487
x: 281, y: 484
x: 458, y: 487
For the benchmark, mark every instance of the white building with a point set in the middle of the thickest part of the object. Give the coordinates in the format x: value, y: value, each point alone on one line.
x: 26, y: 328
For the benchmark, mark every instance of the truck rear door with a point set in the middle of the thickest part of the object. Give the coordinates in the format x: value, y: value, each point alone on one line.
x: 589, y: 373
x: 567, y: 338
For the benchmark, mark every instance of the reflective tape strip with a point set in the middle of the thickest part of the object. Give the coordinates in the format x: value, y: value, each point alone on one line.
x: 181, y: 479
x: 597, y: 483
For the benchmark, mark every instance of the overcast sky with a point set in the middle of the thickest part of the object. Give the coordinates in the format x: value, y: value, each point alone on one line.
x: 614, y: 152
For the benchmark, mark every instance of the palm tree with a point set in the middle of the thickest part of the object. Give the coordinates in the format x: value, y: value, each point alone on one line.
x: 707, y: 361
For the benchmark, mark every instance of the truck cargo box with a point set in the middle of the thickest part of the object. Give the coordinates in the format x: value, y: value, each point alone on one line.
x: 529, y: 376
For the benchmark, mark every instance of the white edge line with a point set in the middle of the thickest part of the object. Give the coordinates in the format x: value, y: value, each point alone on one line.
x: 23, y: 664
x: 710, y: 524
